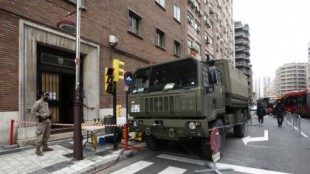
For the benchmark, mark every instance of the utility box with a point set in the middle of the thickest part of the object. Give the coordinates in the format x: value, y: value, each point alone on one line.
x: 108, y: 119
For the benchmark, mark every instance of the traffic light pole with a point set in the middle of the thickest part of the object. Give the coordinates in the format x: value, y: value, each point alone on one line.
x: 114, y: 116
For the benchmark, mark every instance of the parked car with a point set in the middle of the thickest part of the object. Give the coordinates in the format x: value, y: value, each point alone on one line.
x: 254, y: 108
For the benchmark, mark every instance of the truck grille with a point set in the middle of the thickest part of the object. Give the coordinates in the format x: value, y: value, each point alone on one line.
x: 160, y: 104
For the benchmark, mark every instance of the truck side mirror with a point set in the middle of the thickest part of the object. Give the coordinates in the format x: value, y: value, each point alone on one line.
x: 212, y: 75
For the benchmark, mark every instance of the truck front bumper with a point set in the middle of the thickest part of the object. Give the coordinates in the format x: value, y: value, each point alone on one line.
x: 171, y: 129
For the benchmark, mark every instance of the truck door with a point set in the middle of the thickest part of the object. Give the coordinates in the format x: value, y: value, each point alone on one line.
x: 209, y: 96
x: 218, y: 92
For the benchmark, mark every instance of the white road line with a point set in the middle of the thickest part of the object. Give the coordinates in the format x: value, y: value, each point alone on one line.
x: 219, y: 165
x: 302, y: 133
x: 172, y: 170
x: 133, y: 168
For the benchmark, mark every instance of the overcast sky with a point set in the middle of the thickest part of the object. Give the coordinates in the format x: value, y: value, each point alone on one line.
x: 279, y: 32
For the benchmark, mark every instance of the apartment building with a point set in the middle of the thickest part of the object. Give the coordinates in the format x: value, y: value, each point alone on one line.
x: 210, y: 29
x: 291, y: 77
x: 38, y: 56
x: 242, y: 51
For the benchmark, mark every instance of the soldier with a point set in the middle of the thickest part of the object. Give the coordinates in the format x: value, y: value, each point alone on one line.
x: 279, y: 108
x: 43, y: 116
x: 260, y: 112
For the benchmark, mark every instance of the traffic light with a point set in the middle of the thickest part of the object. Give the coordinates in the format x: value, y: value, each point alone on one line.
x: 109, y: 85
x: 118, y: 71
x: 118, y: 110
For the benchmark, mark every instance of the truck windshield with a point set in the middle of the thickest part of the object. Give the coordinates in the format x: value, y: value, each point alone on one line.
x: 170, y: 76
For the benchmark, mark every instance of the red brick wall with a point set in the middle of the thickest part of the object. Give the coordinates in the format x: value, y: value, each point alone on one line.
x: 8, y: 62
x: 98, y: 21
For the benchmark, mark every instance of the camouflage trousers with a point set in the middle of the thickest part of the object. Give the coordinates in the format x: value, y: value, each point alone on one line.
x: 42, y: 133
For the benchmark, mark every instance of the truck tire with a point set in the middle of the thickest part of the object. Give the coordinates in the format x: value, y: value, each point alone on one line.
x: 239, y: 130
x: 155, y: 144
x: 205, y: 145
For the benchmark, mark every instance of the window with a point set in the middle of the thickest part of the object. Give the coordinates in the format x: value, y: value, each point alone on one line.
x: 160, y: 38
x: 208, y: 39
x: 168, y: 76
x: 190, y: 42
x: 134, y: 23
x: 177, y: 48
x: 196, y: 46
x: 161, y: 3
x: 190, y: 19
x: 177, y: 13
x: 197, y: 26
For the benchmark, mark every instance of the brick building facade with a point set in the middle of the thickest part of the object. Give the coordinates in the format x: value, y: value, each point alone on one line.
x: 38, y: 56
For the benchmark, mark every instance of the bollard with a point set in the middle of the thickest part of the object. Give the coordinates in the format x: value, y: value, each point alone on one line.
x: 126, y: 136
x: 12, y: 132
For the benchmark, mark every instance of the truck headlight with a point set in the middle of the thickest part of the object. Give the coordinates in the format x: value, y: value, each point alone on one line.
x: 192, y: 125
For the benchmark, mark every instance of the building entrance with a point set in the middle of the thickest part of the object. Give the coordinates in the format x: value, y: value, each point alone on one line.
x: 56, y: 75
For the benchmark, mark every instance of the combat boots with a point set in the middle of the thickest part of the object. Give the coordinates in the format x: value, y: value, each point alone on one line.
x: 46, y: 148
x: 38, y: 151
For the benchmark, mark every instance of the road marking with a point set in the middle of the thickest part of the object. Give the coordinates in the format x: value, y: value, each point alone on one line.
x: 248, y: 139
x: 219, y: 165
x: 133, y: 168
x: 172, y: 170
x: 303, y: 134
x: 247, y: 169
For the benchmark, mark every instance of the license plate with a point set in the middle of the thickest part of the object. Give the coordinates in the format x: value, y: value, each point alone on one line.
x: 135, y: 108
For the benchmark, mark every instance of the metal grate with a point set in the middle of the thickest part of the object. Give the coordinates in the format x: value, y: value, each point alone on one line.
x: 57, y: 60
x: 159, y: 104
x: 50, y: 84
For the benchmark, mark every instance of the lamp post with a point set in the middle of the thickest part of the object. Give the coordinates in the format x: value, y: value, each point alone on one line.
x: 67, y: 25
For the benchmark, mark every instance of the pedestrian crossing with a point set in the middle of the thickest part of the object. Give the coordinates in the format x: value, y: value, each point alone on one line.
x: 180, y: 167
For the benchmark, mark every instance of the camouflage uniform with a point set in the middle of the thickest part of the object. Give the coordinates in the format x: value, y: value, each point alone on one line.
x: 42, y: 113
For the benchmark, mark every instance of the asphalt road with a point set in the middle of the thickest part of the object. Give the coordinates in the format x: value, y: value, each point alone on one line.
x: 265, y: 149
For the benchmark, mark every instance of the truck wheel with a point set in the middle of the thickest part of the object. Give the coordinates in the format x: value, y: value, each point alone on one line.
x: 239, y: 130
x: 205, y: 146
x: 154, y: 143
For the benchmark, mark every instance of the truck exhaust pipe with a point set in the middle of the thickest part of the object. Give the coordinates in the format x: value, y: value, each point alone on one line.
x: 171, y: 132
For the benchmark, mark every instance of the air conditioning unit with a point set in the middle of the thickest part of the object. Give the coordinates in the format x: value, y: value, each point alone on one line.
x: 208, y: 23
x: 197, y: 10
x: 208, y: 40
x: 211, y: 9
x: 189, y: 20
x: 200, y: 14
x: 198, y: 30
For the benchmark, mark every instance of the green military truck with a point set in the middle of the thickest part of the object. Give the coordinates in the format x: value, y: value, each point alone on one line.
x: 184, y: 99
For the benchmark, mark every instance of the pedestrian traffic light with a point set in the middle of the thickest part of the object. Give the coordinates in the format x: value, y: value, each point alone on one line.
x: 118, y: 110
x: 118, y: 71
x: 109, y: 84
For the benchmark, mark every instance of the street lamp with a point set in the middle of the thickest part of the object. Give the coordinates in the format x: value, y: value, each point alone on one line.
x: 67, y: 25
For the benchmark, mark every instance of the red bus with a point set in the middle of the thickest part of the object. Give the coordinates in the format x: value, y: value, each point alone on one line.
x: 297, y: 102
x: 268, y: 103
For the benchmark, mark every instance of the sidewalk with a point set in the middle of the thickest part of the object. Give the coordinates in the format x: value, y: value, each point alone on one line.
x: 60, y: 161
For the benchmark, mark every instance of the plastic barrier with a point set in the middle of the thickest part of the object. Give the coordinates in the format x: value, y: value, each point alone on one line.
x: 56, y: 124
x: 294, y: 120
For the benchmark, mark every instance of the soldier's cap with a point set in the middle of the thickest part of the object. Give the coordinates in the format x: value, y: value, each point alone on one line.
x: 45, y: 93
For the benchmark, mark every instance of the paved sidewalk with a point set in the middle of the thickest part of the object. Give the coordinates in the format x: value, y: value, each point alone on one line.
x: 60, y: 161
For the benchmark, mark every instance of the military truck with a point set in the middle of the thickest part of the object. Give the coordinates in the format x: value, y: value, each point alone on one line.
x: 184, y: 99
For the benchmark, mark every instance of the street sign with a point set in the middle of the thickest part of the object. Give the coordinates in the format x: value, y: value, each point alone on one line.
x: 127, y: 77
x: 215, y: 140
